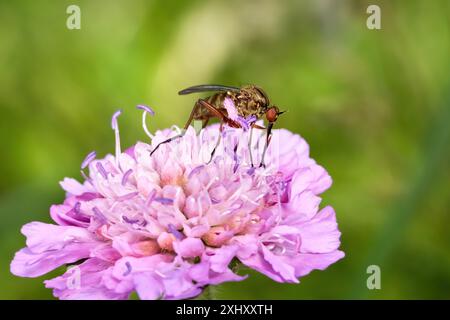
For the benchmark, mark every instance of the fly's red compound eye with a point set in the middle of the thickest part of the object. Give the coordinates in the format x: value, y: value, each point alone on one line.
x: 272, y: 114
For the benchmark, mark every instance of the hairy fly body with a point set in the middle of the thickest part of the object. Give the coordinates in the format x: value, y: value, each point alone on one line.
x: 249, y: 102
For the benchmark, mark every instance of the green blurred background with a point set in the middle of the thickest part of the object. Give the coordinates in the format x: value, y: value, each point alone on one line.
x: 374, y: 106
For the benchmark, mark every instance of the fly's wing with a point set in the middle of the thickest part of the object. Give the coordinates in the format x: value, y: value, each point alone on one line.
x: 206, y: 88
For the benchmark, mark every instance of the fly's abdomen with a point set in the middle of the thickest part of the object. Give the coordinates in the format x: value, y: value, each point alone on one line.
x: 216, y: 101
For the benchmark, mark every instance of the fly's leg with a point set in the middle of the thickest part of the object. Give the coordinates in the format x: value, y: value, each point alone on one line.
x: 268, y: 137
x: 186, y: 126
x: 217, y: 143
x: 167, y: 141
x: 254, y: 126
x: 200, y: 103
x: 250, y: 146
x: 223, y: 119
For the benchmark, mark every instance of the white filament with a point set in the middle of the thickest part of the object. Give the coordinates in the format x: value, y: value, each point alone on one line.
x: 144, y: 125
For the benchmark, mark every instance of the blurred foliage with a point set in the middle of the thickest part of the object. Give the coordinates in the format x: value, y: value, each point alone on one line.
x: 373, y: 105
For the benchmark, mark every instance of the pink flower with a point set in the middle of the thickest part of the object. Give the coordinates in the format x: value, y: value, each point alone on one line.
x: 168, y: 225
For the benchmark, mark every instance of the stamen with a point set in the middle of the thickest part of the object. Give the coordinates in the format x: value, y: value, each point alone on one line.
x: 102, y: 170
x: 130, y: 221
x: 99, y: 215
x: 151, y: 197
x: 164, y: 200
x: 91, y: 156
x: 246, y: 122
x: 77, y: 207
x: 115, y: 127
x: 85, y: 177
x: 177, y: 129
x: 128, y: 271
x: 125, y: 176
x: 195, y: 171
x: 171, y: 228
x: 146, y: 110
x: 214, y: 201
x: 235, y: 159
x: 127, y: 196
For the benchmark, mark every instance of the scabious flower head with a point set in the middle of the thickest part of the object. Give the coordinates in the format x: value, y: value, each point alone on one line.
x: 167, y: 225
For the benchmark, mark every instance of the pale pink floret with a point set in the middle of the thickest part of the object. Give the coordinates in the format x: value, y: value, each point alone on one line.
x: 170, y: 224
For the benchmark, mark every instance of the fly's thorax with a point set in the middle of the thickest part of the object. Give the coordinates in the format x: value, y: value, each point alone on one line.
x: 250, y: 100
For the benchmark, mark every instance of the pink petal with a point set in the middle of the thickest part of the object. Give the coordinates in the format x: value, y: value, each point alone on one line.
x: 90, y: 285
x: 73, y: 187
x: 286, y: 271
x: 320, y: 234
x: 306, y: 262
x: 190, y: 248
x: 148, y: 287
x: 222, y: 258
